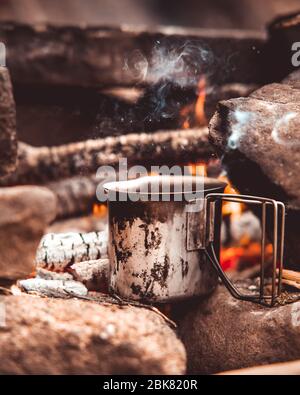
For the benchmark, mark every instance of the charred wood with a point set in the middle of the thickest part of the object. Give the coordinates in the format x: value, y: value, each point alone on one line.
x: 93, y: 274
x: 97, y: 56
x: 45, y: 164
x: 53, y: 288
x: 57, y: 252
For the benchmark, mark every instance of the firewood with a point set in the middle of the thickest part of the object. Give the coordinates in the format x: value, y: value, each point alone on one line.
x: 291, y: 283
x: 53, y: 288
x: 59, y: 251
x: 100, y: 56
x: 93, y: 274
x: 8, y: 137
x: 75, y: 195
x: 291, y: 275
x: 45, y: 164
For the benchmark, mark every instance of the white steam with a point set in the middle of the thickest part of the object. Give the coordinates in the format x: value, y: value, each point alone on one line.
x: 181, y: 64
x: 243, y: 122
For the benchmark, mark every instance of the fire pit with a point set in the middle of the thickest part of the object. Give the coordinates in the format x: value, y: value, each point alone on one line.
x: 86, y: 106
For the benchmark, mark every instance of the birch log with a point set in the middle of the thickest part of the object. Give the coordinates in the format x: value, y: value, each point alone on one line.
x: 57, y: 252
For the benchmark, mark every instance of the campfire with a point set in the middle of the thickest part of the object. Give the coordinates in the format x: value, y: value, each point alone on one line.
x: 148, y: 285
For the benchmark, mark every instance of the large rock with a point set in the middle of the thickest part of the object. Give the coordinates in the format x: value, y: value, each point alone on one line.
x: 259, y: 139
x: 54, y: 336
x: 222, y: 333
x: 25, y: 213
x: 8, y: 140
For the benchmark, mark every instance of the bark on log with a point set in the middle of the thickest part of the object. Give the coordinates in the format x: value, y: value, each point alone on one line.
x: 54, y: 336
x: 57, y: 252
x: 53, y: 288
x: 45, y: 164
x: 8, y: 137
x: 97, y: 56
x: 259, y: 138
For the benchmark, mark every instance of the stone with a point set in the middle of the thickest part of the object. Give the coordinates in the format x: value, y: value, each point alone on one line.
x: 70, y: 336
x: 222, y: 333
x: 8, y: 137
x: 26, y: 211
x: 258, y: 138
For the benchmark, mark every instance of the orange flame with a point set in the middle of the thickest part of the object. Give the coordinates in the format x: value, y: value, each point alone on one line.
x: 199, y: 106
x: 194, y: 114
x: 99, y: 210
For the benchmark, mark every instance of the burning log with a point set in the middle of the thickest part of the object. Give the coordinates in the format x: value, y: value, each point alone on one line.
x: 97, y: 56
x: 93, y: 274
x: 69, y: 336
x: 245, y: 335
x: 8, y: 138
x: 45, y: 164
x: 25, y: 214
x: 259, y: 138
x: 57, y: 252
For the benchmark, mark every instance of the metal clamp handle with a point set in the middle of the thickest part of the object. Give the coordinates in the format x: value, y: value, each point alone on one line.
x: 278, y: 245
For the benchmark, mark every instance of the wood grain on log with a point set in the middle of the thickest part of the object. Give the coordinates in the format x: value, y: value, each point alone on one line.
x: 57, y: 252
x: 91, y: 56
x: 8, y: 137
x: 93, y: 274
x: 259, y: 139
x: 45, y: 164
x: 53, y: 288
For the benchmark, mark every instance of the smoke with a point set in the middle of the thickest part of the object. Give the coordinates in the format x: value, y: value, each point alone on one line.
x: 240, y: 127
x: 280, y: 128
x: 173, y: 72
x: 181, y: 64
x: 278, y: 124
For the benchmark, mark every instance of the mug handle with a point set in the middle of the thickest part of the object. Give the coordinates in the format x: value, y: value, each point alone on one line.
x: 278, y: 245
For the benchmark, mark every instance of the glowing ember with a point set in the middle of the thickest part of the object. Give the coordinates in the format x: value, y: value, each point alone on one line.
x: 99, y: 210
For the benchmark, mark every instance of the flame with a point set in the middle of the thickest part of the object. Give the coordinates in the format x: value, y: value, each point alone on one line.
x: 231, y: 208
x: 199, y: 106
x: 99, y: 210
x: 194, y: 114
x: 198, y: 169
